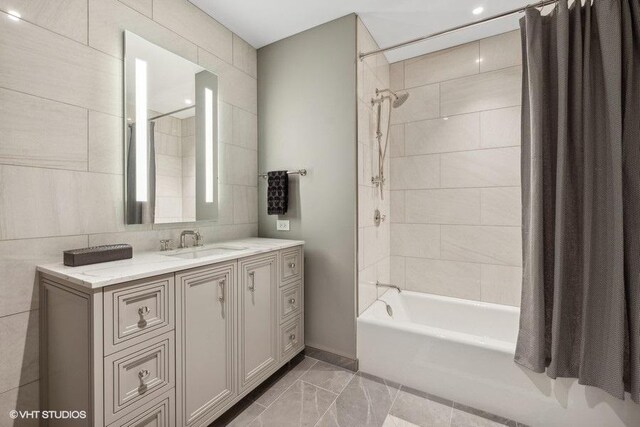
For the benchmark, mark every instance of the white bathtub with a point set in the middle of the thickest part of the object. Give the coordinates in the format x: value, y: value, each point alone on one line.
x: 463, y: 351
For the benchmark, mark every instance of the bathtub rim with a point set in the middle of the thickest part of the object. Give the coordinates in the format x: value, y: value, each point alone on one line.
x: 369, y: 318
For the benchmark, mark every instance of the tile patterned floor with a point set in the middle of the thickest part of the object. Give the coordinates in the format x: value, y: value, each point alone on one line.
x: 312, y: 393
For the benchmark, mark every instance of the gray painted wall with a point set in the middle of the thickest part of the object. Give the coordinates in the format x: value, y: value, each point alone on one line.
x: 307, y: 119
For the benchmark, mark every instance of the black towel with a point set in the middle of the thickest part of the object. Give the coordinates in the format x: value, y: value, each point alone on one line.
x: 277, y: 193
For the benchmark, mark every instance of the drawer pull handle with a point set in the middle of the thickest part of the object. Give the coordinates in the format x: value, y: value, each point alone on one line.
x: 252, y: 285
x: 221, y: 290
x: 292, y: 301
x: 143, y: 312
x: 143, y: 375
x: 292, y: 337
x: 292, y: 265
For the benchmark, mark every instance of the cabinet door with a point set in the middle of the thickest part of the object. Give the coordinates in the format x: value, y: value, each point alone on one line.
x: 258, y: 318
x: 206, y: 369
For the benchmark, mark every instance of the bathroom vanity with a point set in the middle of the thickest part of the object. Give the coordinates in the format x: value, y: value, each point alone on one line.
x: 169, y: 338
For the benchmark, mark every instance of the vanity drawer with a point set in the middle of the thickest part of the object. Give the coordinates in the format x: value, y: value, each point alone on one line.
x: 157, y: 413
x: 135, y: 312
x: 290, y: 301
x: 291, y: 339
x: 290, y: 265
x: 137, y: 375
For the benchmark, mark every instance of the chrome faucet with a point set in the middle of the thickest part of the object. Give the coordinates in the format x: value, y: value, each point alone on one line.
x: 387, y: 285
x: 196, y: 236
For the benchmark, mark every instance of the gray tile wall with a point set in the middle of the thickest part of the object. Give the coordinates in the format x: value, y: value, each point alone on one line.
x: 373, y: 242
x: 455, y: 172
x: 61, y: 183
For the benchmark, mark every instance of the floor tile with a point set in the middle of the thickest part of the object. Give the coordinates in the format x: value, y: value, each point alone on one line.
x: 301, y: 405
x: 328, y: 377
x: 392, y: 421
x: 365, y: 402
x: 419, y: 409
x: 266, y: 393
x: 329, y: 419
x: 240, y: 415
x: 300, y: 395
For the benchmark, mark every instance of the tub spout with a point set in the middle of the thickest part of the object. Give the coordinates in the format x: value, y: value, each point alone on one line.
x: 387, y: 285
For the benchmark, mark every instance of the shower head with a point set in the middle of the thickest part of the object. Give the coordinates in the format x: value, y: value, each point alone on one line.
x: 396, y: 100
x: 400, y: 99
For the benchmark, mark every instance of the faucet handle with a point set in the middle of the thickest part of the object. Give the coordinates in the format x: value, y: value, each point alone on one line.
x: 165, y: 245
x: 199, y: 238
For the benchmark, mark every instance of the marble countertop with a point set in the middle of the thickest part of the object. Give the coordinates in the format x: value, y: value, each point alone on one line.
x: 149, y: 264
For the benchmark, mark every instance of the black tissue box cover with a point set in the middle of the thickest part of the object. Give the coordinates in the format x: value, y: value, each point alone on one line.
x: 97, y: 254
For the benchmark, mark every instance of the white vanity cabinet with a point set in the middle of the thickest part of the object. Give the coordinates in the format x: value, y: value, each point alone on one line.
x: 173, y: 349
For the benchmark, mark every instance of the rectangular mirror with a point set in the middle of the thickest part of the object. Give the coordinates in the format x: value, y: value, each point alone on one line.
x: 171, y: 136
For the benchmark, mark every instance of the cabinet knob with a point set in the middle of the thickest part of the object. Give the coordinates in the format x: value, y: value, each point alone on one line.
x: 143, y: 311
x: 292, y: 265
x: 292, y: 301
x: 292, y: 337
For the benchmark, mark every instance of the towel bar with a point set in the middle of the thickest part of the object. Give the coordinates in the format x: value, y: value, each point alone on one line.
x: 301, y: 172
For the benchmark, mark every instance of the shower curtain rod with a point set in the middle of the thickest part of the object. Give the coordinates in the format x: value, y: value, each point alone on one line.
x: 543, y: 3
x: 172, y: 112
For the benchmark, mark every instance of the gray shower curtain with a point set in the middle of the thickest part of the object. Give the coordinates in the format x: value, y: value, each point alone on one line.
x: 580, y: 313
x: 141, y: 212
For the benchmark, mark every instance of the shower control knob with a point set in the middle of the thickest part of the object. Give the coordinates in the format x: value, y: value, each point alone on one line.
x: 378, y: 217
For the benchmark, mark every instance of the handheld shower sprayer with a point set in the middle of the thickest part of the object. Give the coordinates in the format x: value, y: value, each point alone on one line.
x: 395, y: 102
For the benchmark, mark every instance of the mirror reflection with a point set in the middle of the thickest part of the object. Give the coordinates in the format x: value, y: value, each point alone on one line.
x: 171, y: 136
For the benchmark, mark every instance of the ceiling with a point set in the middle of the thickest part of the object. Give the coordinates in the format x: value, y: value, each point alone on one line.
x: 261, y: 22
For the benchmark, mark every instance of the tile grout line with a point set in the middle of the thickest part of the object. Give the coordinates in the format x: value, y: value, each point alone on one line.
x: 466, y: 76
x: 327, y: 410
x: 393, y: 403
x: 467, y: 113
x: 19, y: 312
x: 335, y: 398
x: 20, y: 386
x: 457, y: 260
x: 286, y: 389
x: 455, y: 188
x: 321, y: 388
x: 451, y: 414
x: 88, y: 137
x: 454, y: 224
x: 467, y: 150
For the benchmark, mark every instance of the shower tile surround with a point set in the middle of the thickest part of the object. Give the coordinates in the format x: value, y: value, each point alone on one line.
x: 374, y: 262
x: 455, y: 172
x: 61, y: 147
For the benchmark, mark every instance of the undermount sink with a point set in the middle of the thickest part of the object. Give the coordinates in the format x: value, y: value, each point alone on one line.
x: 195, y: 253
